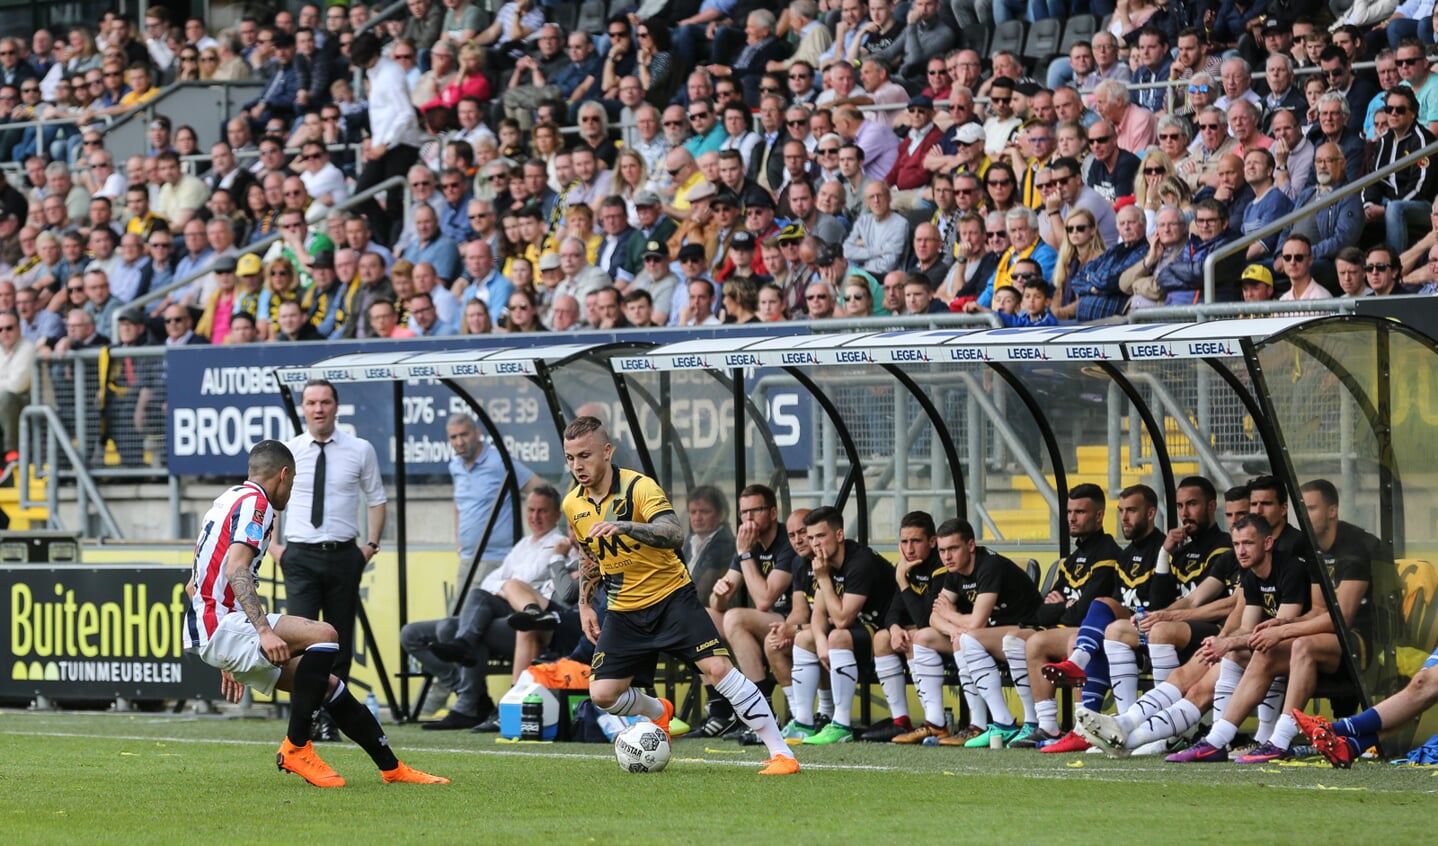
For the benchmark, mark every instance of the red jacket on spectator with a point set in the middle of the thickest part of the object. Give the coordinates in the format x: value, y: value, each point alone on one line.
x: 908, y: 171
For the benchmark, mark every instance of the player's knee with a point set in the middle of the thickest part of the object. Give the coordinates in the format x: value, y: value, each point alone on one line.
x: 1121, y: 630
x: 324, y: 633
x: 1425, y: 686
x: 1175, y: 634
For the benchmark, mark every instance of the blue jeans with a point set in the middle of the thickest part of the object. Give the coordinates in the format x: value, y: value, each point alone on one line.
x: 1405, y: 27
x: 1399, y: 216
x: 1061, y: 72
x: 1009, y: 10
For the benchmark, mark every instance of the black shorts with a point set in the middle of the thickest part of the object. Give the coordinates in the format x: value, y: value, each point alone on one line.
x: 630, y: 641
x: 1048, y: 616
x: 1197, y: 631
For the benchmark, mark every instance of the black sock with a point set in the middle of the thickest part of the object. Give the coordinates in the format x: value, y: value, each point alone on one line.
x: 766, y: 686
x: 359, y: 725
x: 311, y: 683
x: 719, y: 707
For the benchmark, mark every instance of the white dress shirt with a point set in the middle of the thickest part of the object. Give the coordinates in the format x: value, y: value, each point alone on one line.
x: 351, y: 467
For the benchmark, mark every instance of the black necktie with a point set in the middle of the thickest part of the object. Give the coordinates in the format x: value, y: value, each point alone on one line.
x: 317, y: 503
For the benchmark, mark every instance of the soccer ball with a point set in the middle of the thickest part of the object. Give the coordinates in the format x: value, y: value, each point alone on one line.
x: 642, y: 748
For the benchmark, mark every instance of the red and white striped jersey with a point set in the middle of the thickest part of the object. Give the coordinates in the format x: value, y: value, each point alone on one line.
x: 242, y: 515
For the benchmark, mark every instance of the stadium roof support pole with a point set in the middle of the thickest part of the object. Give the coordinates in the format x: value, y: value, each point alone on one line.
x: 401, y: 535
x: 741, y: 464
x: 1056, y: 457
x: 1282, y: 466
x: 640, y: 444
x: 941, y: 428
x: 665, y: 473
x: 1155, y: 436
x: 854, y: 480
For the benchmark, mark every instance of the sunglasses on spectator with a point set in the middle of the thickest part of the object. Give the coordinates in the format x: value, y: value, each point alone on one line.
x: 1401, y: 62
x: 157, y: 245
x: 1025, y: 275
x: 828, y: 151
x: 1376, y: 268
x: 1077, y: 228
x: 795, y: 122
x: 697, y: 115
x: 812, y: 297
x: 1102, y: 139
x: 992, y: 235
x: 853, y: 298
x: 1209, y: 126
x: 445, y: 186
x: 1154, y: 171
x: 1169, y: 136
x: 998, y: 183
x: 619, y: 33
x: 1295, y: 256
x: 1396, y: 110
x: 173, y: 320
x: 799, y: 75
x: 1000, y: 99
x: 1198, y: 89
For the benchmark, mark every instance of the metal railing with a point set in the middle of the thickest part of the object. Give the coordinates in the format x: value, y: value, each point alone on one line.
x: 259, y: 247
x: 1240, y: 244
x: 1211, y: 311
x: 57, y: 442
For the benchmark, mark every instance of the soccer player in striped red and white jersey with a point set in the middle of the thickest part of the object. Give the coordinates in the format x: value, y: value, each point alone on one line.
x: 229, y: 629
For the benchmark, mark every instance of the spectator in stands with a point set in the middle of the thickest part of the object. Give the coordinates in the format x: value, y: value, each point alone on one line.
x: 1257, y: 284
x: 1283, y: 95
x: 1332, y: 127
x: 1331, y: 229
x: 1182, y: 279
x: 1096, y: 283
x: 1152, y: 70
x: 1066, y: 192
x: 1382, y: 271
x: 919, y: 296
x: 926, y: 258
x: 432, y: 246
x: 36, y: 323
x: 1292, y: 154
x: 1200, y: 168
x: 1002, y: 123
x: 1268, y: 203
x: 1113, y: 169
x: 1403, y: 198
x: 1349, y: 268
x: 1386, y: 67
x: 179, y: 328
x: 17, y: 358
x: 879, y: 238
x: 384, y: 321
x: 181, y: 195
x: 1297, y: 263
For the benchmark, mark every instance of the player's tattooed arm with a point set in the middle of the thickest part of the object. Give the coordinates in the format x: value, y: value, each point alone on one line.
x: 242, y: 585
x: 663, y: 532
x: 588, y: 578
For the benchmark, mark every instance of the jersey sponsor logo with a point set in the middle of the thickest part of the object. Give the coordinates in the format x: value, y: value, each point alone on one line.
x: 853, y: 357
x: 912, y: 354
x: 706, y: 644
x: 607, y: 546
x: 742, y: 360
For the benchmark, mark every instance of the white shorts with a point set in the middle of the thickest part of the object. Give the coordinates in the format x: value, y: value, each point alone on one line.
x: 235, y: 646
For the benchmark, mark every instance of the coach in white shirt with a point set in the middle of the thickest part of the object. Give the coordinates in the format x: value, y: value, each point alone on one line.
x: 323, y: 555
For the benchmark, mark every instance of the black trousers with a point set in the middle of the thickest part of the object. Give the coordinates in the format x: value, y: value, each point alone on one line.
x: 324, y: 585
x: 386, y: 223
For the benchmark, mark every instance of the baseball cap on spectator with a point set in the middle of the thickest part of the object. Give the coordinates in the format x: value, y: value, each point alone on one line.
x: 921, y: 101
x: 134, y: 314
x: 1258, y: 273
x: 792, y: 232
x: 969, y: 133
x: 1028, y: 89
x: 726, y: 198
x: 702, y: 191
x: 646, y: 198
x: 824, y: 254
x: 225, y: 264
x: 160, y: 122
x: 691, y: 251
x: 324, y: 258
x: 283, y: 39
x: 742, y: 240
x: 549, y: 261
x: 249, y: 265
x: 1275, y: 25
x: 758, y: 200
x: 654, y: 249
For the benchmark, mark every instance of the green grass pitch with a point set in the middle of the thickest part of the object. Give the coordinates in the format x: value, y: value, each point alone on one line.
x: 147, y: 778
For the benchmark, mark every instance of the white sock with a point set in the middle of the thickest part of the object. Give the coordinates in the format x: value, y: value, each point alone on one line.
x: 1160, y: 697
x: 890, y: 672
x: 635, y: 702
x: 1270, y: 709
x: 1048, y: 714
x: 1230, y: 673
x: 1163, y: 657
x: 1284, y: 730
x: 1122, y: 673
x: 978, y: 708
x: 1222, y: 734
x: 927, y: 667
x: 789, y: 698
x: 826, y: 703
x: 1016, y: 653
x: 1080, y: 658
x: 844, y: 681
x: 1170, y: 722
x: 753, y: 710
x: 988, y: 682
x: 806, y: 683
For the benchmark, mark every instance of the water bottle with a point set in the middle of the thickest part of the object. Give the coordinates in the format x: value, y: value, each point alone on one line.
x: 949, y: 720
x: 372, y: 704
x: 1138, y: 615
x: 531, y: 718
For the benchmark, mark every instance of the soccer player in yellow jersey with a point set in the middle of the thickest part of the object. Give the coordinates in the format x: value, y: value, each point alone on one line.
x: 629, y: 533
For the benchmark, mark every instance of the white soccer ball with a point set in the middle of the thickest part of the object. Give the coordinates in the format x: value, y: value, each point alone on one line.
x: 642, y: 748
